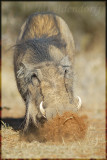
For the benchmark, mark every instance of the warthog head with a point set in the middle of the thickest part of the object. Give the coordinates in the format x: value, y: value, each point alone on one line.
x: 55, y: 93
x: 43, y: 63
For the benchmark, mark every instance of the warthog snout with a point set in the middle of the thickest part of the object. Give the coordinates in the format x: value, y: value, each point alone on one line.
x: 51, y: 112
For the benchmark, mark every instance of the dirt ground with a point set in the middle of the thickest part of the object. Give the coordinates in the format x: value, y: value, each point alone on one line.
x: 89, y: 78
x: 90, y: 145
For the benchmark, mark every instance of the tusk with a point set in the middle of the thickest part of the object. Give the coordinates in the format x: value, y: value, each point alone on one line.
x: 42, y: 109
x: 79, y: 103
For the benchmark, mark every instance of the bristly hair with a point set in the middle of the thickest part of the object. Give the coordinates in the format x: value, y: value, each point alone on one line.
x: 40, y: 47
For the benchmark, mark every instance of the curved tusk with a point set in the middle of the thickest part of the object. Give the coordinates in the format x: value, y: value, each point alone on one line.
x: 42, y: 109
x: 79, y: 103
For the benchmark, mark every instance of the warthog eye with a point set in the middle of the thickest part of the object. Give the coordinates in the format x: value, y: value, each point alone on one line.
x: 34, y: 76
x: 66, y: 71
x: 34, y: 79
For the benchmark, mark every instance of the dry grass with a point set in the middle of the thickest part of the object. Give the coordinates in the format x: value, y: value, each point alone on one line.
x: 92, y: 145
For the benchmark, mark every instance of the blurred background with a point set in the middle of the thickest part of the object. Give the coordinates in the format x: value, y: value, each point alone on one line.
x: 86, y: 21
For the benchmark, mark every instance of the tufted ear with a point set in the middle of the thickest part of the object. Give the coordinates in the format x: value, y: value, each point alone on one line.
x: 65, y: 62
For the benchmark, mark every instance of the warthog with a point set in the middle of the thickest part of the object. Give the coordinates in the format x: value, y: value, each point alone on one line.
x: 43, y: 65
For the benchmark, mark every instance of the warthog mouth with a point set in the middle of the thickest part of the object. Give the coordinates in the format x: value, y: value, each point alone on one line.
x: 43, y: 112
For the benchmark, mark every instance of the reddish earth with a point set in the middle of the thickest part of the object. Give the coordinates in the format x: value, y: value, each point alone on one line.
x: 67, y: 127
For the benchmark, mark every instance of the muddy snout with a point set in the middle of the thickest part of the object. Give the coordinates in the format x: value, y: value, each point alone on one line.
x: 48, y: 112
x: 51, y: 111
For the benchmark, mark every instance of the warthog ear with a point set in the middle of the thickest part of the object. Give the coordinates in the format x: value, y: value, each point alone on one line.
x: 65, y: 62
